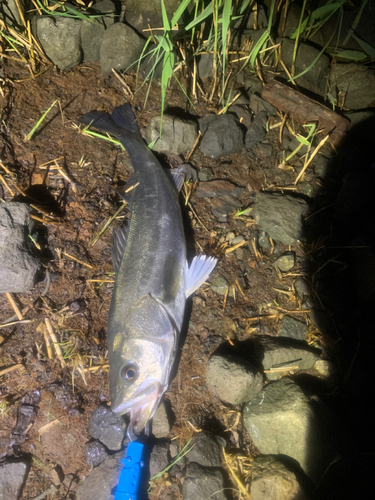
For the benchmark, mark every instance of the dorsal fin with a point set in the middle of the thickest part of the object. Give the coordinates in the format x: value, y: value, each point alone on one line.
x: 119, y: 239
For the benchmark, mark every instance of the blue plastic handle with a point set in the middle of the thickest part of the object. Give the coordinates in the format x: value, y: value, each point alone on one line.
x: 132, y: 484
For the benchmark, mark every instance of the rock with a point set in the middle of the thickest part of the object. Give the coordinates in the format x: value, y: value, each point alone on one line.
x: 263, y: 240
x: 302, y: 289
x: 356, y: 81
x: 92, y: 33
x: 121, y: 46
x: 161, y: 425
x: 232, y: 379
x: 206, y: 450
x: 212, y: 189
x: 9, y: 12
x: 263, y: 149
x: 223, y: 136
x: 18, y: 266
x: 328, y: 371
x: 292, y: 328
x: 306, y: 55
x: 237, y: 239
x: 286, y: 261
x: 250, y: 83
x: 220, y: 285
x: 142, y: 13
x: 281, y: 419
x: 276, y: 352
x: 205, y: 174
x: 60, y: 39
x: 280, y: 216
x: 256, y: 131
x: 107, y: 427
x: 102, y: 480
x: 223, y: 206
x: 13, y: 474
x: 257, y: 104
x: 95, y: 453
x: 206, y: 66
x: 272, y: 480
x: 159, y: 458
x: 178, y: 135
x: 243, y: 115
x: 202, y: 483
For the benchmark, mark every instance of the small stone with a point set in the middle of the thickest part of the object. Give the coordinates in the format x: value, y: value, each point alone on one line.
x: 178, y: 135
x: 302, y: 289
x: 161, y: 425
x: 206, y: 66
x: 273, y: 480
x: 213, y: 189
x: 264, y: 240
x: 107, y: 427
x: 250, y: 83
x: 243, y: 115
x: 280, y: 216
x: 256, y: 132
x: 141, y: 14
x: 223, y: 206
x: 102, y: 480
x: 121, y: 46
x: 13, y: 474
x: 237, y: 239
x: 220, y: 285
x: 257, y: 105
x: 203, y: 483
x: 292, y: 328
x: 60, y: 39
x: 95, y: 453
x: 159, y: 458
x: 57, y: 475
x: 206, y: 450
x: 285, y: 262
x: 223, y: 136
x: 205, y: 174
x: 276, y: 352
x: 18, y: 265
x: 232, y: 379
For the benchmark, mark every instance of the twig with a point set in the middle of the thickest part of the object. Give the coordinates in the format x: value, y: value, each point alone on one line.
x: 55, y: 342
x: 6, y: 185
x: 17, y: 323
x: 48, y: 344
x: 311, y: 157
x: 14, y: 305
x: 238, y: 245
x: 78, y: 260
x: 195, y: 145
x: 19, y: 366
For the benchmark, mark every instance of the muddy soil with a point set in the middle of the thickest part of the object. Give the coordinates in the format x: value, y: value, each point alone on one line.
x: 76, y: 294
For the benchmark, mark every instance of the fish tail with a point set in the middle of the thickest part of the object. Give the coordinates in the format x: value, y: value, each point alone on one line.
x: 119, y: 123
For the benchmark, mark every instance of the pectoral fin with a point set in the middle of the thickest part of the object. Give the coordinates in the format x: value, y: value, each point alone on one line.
x: 198, y: 272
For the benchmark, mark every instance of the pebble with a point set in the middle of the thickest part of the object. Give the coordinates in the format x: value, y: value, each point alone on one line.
x: 223, y: 206
x: 220, y: 285
x: 95, y: 453
x: 285, y: 262
x: 13, y: 474
x: 107, y: 427
x: 256, y: 131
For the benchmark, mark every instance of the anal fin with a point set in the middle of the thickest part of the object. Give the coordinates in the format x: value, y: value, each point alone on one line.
x: 198, y: 271
x: 182, y: 173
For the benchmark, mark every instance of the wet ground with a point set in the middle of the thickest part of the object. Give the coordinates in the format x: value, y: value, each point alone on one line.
x: 76, y: 296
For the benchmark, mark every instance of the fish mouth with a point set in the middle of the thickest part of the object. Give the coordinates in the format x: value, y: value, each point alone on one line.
x: 141, y: 407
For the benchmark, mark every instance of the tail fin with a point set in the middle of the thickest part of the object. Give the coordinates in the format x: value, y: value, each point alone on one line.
x: 121, y: 120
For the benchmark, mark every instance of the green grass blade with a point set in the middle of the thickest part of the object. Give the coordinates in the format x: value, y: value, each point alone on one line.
x: 33, y: 130
x: 370, y: 51
x: 167, y: 26
x: 206, y: 13
x: 351, y: 55
x: 227, y: 11
x: 180, y: 11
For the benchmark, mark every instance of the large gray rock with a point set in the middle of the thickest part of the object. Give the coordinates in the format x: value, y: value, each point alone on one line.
x: 281, y: 354
x: 142, y: 13
x: 161, y: 425
x: 203, y: 483
x: 222, y: 136
x: 205, y: 450
x: 107, y: 427
x: 281, y: 419
x: 178, y: 135
x: 273, y: 480
x: 292, y: 328
x: 61, y: 40
x: 18, y: 266
x: 159, y: 458
x: 102, y: 480
x: 358, y: 83
x: 92, y: 32
x: 12, y: 477
x: 232, y: 379
x: 280, y: 216
x: 306, y: 55
x: 121, y: 47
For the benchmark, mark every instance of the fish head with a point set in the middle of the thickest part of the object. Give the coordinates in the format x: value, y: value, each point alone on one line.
x: 139, y: 371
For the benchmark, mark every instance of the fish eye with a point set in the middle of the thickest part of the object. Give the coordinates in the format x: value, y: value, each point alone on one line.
x: 129, y: 372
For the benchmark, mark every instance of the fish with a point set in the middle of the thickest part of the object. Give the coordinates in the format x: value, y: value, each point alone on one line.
x: 153, y: 279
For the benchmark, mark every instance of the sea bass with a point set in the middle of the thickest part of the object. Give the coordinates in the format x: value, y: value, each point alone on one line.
x: 153, y: 279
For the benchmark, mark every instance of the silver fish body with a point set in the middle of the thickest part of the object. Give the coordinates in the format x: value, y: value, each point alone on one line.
x: 152, y: 279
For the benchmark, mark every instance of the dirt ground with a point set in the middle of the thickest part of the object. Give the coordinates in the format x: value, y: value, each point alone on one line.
x: 76, y: 300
